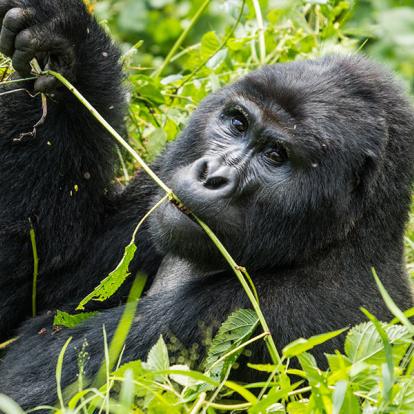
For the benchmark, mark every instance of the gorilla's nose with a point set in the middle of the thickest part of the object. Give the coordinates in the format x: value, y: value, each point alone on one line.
x: 214, y: 175
x: 205, y: 181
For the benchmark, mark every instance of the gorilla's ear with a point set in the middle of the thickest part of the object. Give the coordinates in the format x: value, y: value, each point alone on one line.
x: 366, y: 173
x: 370, y: 167
x: 373, y: 159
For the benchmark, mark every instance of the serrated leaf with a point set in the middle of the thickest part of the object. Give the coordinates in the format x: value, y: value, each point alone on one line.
x: 113, y: 281
x: 364, y: 344
x: 237, y: 329
x: 158, y: 359
x: 302, y: 345
x: 71, y: 321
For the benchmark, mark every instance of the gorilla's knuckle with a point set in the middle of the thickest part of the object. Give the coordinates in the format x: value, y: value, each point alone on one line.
x: 26, y: 39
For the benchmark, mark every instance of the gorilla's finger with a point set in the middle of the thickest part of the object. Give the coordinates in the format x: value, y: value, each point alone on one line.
x: 5, y: 5
x: 14, y: 21
x: 21, y: 61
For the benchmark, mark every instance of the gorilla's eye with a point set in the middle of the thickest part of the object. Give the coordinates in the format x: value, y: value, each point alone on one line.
x: 277, y: 155
x: 238, y: 120
x: 240, y: 123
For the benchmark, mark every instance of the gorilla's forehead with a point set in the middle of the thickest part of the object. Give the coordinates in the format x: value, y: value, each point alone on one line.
x: 322, y: 83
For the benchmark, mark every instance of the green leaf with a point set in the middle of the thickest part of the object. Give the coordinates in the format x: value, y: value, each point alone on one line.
x: 339, y: 396
x: 262, y: 367
x: 237, y: 329
x: 388, y: 366
x: 403, y: 400
x: 343, y: 399
x: 363, y: 343
x: 337, y: 362
x: 298, y: 407
x: 215, y: 61
x: 113, y: 281
x: 158, y: 359
x: 184, y: 380
x: 70, y: 321
x: 301, y: 345
x: 148, y: 90
x: 136, y: 367
x: 209, y: 45
x: 156, y: 142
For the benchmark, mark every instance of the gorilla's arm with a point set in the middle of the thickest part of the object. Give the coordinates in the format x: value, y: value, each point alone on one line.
x: 59, y: 177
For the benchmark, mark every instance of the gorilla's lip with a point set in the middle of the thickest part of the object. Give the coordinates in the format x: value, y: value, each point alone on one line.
x: 178, y: 217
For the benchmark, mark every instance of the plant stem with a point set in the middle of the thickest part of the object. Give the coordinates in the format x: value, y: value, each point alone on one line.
x: 199, y: 403
x: 261, y: 30
x: 17, y: 80
x: 236, y: 269
x: 181, y: 39
x: 35, y: 267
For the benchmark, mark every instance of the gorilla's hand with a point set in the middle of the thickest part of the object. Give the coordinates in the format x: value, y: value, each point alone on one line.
x: 50, y: 31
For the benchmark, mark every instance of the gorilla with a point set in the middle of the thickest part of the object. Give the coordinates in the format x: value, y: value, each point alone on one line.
x: 302, y: 169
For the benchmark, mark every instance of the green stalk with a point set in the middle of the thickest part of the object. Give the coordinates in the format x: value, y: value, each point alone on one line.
x: 261, y: 30
x: 236, y: 269
x: 181, y: 39
x: 35, y: 267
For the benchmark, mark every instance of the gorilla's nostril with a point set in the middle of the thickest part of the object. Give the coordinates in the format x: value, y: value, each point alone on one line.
x: 214, y: 183
x: 203, y: 171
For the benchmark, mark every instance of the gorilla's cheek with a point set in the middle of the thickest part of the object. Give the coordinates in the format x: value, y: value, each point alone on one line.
x: 174, y: 223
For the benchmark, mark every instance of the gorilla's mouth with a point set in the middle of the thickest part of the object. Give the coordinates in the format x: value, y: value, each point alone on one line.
x: 176, y: 217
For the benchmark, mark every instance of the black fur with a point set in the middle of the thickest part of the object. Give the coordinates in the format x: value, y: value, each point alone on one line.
x: 309, y: 196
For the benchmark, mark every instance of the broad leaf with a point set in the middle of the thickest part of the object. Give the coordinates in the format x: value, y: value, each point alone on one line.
x: 237, y: 329
x: 158, y: 359
x: 113, y: 281
x: 364, y: 344
x: 71, y: 321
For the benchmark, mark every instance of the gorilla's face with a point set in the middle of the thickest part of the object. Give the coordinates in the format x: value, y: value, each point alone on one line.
x: 275, y: 164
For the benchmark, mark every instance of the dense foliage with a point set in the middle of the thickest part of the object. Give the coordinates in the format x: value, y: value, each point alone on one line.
x: 219, y: 41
